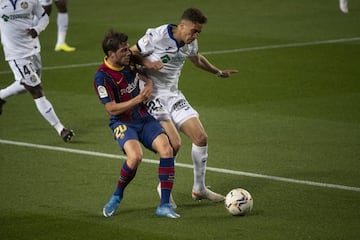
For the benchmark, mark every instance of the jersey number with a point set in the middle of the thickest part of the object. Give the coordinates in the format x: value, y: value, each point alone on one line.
x: 119, y: 131
x: 154, y: 105
x: 26, y: 69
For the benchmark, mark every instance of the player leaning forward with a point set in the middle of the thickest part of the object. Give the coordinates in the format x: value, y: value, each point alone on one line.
x: 117, y: 86
x: 165, y: 50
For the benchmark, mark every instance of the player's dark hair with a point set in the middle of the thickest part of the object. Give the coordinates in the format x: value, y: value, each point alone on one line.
x: 113, y: 40
x: 194, y: 15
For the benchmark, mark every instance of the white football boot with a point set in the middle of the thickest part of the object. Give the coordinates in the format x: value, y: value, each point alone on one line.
x: 207, y: 194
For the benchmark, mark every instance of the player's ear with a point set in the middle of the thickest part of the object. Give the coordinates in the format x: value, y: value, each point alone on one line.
x: 110, y: 53
x: 181, y: 24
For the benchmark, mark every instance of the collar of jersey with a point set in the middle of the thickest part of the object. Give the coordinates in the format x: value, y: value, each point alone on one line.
x: 112, y: 67
x: 171, y: 35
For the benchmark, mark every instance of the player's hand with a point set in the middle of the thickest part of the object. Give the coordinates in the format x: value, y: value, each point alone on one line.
x: 145, y: 94
x: 227, y: 73
x: 32, y: 32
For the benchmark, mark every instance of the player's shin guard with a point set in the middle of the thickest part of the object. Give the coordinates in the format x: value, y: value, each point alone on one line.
x: 166, y: 174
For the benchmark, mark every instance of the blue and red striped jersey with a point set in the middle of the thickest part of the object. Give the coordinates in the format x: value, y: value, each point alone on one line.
x: 119, y: 85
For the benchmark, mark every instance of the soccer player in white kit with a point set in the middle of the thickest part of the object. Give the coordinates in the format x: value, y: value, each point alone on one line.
x: 164, y: 50
x: 21, y: 45
x: 62, y: 21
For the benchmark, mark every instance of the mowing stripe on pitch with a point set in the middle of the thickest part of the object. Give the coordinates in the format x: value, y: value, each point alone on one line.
x: 249, y: 49
x: 183, y: 165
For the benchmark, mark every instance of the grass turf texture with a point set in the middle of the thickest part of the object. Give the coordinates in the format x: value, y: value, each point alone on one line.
x: 290, y: 112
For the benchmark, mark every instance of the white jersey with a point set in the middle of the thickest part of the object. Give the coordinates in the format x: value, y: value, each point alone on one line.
x: 47, y: 2
x: 159, y: 44
x: 16, y: 17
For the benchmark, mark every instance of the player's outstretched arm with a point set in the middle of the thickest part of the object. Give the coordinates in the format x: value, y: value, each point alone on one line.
x: 201, y: 62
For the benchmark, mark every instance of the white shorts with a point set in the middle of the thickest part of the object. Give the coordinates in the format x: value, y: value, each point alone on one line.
x: 27, y: 70
x: 174, y: 107
x: 47, y: 2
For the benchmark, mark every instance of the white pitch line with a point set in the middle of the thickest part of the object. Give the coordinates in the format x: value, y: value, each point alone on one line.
x: 249, y: 49
x: 183, y: 165
x: 288, y: 45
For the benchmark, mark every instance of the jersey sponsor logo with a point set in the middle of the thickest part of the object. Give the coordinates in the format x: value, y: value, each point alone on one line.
x: 175, y: 59
x: 6, y: 18
x: 102, y: 92
x: 131, y: 87
x: 178, y: 59
x: 180, y: 105
x: 165, y: 59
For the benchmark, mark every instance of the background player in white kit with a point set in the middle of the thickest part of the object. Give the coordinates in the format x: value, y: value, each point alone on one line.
x: 172, y: 45
x: 62, y: 23
x: 22, y: 51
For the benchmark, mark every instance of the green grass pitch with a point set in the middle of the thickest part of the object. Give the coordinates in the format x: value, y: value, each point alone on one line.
x: 286, y: 128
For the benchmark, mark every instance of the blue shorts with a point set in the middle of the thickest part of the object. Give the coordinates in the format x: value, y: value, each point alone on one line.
x: 145, y: 131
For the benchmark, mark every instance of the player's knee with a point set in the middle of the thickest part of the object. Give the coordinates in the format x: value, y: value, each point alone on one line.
x: 201, y: 139
x: 163, y: 147
x: 36, y: 92
x: 166, y: 151
x: 134, y: 159
x: 47, y: 9
x: 61, y: 6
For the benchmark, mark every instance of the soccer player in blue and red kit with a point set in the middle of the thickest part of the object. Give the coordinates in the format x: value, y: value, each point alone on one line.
x: 116, y: 83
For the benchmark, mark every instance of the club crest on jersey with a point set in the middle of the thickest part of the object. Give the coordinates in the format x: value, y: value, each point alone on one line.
x: 102, y: 92
x: 24, y: 5
x: 33, y: 78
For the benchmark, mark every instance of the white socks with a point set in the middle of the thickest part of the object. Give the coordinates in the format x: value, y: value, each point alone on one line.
x: 344, y: 6
x: 13, y: 89
x: 199, y: 156
x: 42, y: 104
x: 48, y: 112
x: 62, y: 24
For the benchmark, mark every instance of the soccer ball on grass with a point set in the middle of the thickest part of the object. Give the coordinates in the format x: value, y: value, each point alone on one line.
x: 239, y: 202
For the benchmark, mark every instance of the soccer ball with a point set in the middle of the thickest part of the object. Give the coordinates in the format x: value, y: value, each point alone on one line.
x: 238, y: 202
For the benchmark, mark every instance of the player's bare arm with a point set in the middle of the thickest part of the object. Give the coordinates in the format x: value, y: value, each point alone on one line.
x: 201, y: 62
x: 114, y: 108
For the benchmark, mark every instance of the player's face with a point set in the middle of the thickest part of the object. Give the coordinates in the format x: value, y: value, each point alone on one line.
x: 190, y: 31
x: 122, y: 55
